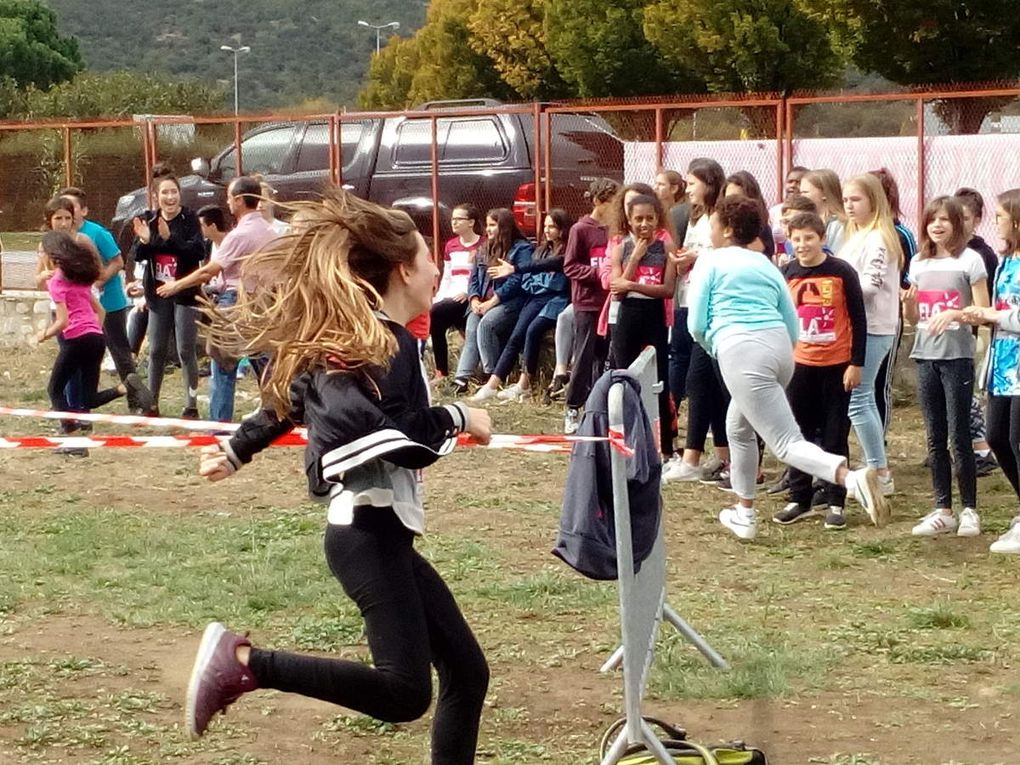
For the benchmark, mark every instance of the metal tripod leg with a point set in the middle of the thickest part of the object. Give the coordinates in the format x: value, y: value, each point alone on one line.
x: 690, y: 635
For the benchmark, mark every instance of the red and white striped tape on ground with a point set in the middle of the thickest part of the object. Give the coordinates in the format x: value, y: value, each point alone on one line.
x: 202, y: 437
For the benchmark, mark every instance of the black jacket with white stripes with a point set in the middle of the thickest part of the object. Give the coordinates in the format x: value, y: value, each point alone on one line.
x: 369, y: 436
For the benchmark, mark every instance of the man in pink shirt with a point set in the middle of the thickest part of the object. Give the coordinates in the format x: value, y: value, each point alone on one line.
x: 251, y: 233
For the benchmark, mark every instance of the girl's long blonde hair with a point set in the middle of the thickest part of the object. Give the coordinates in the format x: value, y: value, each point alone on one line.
x: 881, y: 215
x: 827, y: 182
x: 314, y: 293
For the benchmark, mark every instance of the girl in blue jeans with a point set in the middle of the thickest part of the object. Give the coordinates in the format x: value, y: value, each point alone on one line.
x: 494, y: 302
x: 872, y: 247
x: 546, y: 292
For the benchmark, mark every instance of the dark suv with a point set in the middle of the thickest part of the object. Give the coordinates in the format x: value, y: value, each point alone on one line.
x: 485, y: 158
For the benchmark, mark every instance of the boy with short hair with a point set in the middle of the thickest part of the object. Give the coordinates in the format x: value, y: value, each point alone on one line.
x: 791, y: 207
x: 828, y: 357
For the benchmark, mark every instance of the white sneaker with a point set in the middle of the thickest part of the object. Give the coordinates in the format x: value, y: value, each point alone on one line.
x: 887, y: 484
x: 934, y: 523
x: 741, y: 521
x: 484, y: 394
x: 865, y: 486
x: 512, y: 393
x: 678, y: 470
x: 1010, y: 541
x: 970, y: 523
x: 571, y: 422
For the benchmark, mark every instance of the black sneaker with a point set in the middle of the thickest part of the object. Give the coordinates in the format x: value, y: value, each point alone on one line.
x: 985, y: 465
x: 189, y: 413
x: 834, y: 518
x: 793, y: 513
x: 819, y: 498
x: 460, y: 386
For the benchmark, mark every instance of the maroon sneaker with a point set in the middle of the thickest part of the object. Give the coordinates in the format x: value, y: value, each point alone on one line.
x: 218, y: 679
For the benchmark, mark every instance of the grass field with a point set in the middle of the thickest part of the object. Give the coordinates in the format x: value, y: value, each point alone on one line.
x: 20, y: 240
x: 852, y: 648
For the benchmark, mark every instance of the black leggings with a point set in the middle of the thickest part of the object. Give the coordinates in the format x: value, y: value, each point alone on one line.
x: 1003, y: 424
x: 80, y: 355
x: 707, y: 401
x: 446, y: 314
x: 115, y: 329
x: 642, y: 323
x: 412, y: 622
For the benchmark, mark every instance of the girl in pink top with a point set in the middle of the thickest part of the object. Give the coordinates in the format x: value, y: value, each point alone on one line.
x: 78, y: 320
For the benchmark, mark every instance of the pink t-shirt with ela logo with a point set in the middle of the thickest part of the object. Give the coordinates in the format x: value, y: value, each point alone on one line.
x: 81, y: 317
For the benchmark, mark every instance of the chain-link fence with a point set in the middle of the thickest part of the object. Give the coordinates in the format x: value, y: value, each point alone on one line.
x: 528, y: 158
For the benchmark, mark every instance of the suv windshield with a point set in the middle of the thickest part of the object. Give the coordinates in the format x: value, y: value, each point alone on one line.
x: 264, y: 152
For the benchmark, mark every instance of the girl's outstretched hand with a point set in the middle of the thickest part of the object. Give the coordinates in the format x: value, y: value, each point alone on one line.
x: 214, y: 464
x: 501, y: 269
x: 479, y: 425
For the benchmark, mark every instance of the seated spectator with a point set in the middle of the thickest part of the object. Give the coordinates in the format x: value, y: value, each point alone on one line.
x: 546, y: 293
x: 494, y: 302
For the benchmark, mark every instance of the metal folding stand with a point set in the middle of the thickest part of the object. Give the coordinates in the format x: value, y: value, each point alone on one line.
x: 642, y: 595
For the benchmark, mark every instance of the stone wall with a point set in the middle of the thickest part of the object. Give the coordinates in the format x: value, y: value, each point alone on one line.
x: 22, y: 314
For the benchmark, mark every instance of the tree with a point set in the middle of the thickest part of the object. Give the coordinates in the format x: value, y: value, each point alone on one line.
x: 937, y: 42
x: 32, y: 53
x: 121, y: 94
x: 740, y: 46
x: 511, y: 34
x: 390, y: 75
x: 440, y: 61
x: 600, y: 49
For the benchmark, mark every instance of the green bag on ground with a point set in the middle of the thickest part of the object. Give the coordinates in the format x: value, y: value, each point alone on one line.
x: 684, y: 752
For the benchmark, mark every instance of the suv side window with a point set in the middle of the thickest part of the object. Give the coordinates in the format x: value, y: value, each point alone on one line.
x: 263, y: 153
x: 461, y: 140
x: 314, y: 153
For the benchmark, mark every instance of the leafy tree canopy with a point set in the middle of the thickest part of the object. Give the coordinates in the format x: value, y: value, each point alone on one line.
x: 737, y: 46
x: 32, y: 52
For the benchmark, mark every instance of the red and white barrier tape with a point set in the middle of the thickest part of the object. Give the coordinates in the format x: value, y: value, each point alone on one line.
x: 297, y: 437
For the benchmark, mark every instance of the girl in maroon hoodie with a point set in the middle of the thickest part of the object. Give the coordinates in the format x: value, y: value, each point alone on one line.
x: 586, y: 249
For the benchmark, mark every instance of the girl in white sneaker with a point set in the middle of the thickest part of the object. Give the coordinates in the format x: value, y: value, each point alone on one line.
x: 1001, y: 375
x: 741, y: 312
x: 946, y: 277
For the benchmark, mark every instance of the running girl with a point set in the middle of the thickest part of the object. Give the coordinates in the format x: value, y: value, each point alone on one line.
x: 78, y: 322
x: 351, y: 372
x: 946, y: 277
x: 642, y: 282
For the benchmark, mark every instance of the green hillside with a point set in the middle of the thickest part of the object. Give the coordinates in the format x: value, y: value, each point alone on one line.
x: 302, y: 50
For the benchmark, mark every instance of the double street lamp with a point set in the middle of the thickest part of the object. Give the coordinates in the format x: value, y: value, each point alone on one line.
x: 378, y: 30
x: 236, y: 51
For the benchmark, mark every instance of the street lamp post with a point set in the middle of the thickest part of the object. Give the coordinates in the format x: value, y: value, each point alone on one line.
x: 236, y: 52
x: 378, y: 30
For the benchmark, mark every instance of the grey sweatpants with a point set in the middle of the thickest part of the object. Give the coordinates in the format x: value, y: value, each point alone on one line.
x: 757, y: 367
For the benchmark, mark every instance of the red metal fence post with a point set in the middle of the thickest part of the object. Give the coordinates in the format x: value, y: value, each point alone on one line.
x: 780, y: 113
x: 537, y: 154
x: 547, y: 147
x: 920, y: 159
x: 68, y: 170
x: 659, y: 148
